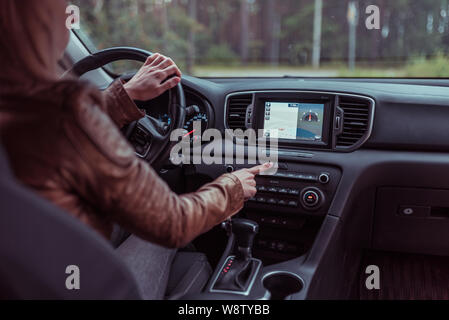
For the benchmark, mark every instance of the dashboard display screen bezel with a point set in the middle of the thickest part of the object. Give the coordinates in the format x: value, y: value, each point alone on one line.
x: 327, y: 100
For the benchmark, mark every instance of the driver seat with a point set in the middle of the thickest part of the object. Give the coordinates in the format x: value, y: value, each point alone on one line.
x: 38, y: 242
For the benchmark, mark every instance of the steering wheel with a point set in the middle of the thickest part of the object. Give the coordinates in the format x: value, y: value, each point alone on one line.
x: 149, y: 136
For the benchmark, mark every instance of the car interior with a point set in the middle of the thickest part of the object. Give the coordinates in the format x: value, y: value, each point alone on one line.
x: 369, y: 186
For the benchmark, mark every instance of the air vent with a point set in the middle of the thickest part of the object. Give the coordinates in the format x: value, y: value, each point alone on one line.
x: 356, y: 121
x: 236, y: 114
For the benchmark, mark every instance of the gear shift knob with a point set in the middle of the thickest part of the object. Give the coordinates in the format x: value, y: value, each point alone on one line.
x: 244, y: 232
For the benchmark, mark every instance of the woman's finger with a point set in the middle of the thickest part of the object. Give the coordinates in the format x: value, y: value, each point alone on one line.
x: 170, y: 83
x: 251, y: 182
x: 173, y: 69
x: 252, y: 191
x: 151, y: 58
x: 167, y: 62
x: 170, y: 71
x: 260, y: 168
x: 157, y: 60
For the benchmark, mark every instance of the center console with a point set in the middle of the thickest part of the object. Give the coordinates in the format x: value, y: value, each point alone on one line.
x: 291, y: 205
x: 289, y: 208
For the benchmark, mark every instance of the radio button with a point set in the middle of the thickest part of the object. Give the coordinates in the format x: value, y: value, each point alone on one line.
x: 293, y: 204
x: 261, y: 200
x: 282, y: 202
x: 293, y: 192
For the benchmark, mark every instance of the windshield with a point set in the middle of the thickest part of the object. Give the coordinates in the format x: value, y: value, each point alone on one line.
x: 275, y: 38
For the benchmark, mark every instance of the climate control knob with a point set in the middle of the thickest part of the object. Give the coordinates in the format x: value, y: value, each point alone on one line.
x: 312, y: 198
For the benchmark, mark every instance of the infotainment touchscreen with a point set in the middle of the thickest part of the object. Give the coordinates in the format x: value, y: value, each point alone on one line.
x: 294, y: 120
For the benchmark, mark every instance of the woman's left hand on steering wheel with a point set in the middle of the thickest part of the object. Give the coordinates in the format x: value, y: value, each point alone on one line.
x: 157, y: 75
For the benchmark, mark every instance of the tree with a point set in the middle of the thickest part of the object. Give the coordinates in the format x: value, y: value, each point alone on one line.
x: 244, y: 30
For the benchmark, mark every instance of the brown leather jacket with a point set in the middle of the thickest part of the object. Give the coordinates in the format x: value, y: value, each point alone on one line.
x: 64, y: 142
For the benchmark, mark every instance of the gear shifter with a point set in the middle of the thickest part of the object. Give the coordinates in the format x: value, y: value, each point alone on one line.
x: 239, y: 270
x: 244, y: 232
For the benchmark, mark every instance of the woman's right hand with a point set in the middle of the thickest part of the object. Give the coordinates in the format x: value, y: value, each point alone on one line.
x: 247, y: 178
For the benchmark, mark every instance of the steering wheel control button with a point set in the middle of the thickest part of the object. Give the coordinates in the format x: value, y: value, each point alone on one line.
x: 324, y: 178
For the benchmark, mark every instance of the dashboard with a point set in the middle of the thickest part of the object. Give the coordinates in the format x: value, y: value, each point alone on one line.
x: 339, y: 140
x: 354, y: 155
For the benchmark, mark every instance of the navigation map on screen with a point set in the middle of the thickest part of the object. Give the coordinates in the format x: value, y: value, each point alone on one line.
x: 294, y: 121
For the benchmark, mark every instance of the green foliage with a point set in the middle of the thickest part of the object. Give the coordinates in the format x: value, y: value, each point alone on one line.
x: 437, y: 67
x: 209, y: 33
x: 221, y: 55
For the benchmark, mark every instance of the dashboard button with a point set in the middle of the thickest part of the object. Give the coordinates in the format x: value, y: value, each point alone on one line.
x: 272, y: 201
x: 261, y: 200
x: 324, y: 178
x: 280, y: 246
x: 293, y: 204
x: 312, y: 198
x: 273, y: 190
x: 273, y: 220
x: 261, y: 188
x: 293, y: 192
x: 283, y: 191
x: 282, y: 202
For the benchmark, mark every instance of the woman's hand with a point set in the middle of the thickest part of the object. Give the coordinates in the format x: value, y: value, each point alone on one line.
x: 247, y: 178
x: 148, y: 83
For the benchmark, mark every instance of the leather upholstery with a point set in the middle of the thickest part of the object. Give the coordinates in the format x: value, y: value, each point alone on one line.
x: 64, y: 142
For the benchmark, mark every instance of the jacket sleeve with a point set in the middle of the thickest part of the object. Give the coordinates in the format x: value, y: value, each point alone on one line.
x: 119, y: 106
x: 128, y: 191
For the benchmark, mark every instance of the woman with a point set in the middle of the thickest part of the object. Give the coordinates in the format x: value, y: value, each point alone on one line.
x: 63, y: 140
